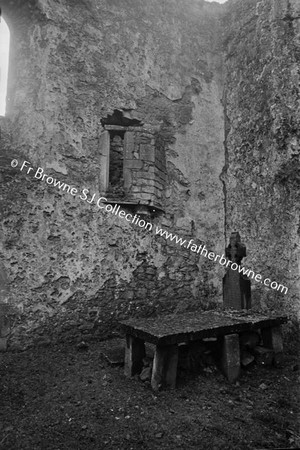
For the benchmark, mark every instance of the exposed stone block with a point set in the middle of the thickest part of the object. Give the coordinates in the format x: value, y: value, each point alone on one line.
x: 147, y: 153
x: 129, y: 145
x: 133, y: 164
x: 134, y: 354
x: 164, y: 370
x: 230, y: 356
x: 263, y: 356
x: 246, y: 358
x: 272, y: 339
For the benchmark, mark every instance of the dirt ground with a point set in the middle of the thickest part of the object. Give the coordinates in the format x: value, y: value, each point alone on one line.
x: 65, y: 397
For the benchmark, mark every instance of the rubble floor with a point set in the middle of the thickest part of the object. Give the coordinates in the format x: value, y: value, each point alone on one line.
x: 69, y: 397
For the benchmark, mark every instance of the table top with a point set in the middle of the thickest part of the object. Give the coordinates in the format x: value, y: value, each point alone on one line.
x: 186, y: 327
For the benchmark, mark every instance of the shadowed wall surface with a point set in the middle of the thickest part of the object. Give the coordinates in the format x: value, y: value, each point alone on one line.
x: 262, y: 168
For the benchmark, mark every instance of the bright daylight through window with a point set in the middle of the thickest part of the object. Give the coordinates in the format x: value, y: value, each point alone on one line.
x: 4, y: 51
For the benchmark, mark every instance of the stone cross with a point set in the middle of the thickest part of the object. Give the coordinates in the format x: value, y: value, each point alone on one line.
x: 236, y: 286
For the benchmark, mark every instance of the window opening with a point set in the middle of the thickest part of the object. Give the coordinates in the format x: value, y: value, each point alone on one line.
x: 116, y: 160
x: 4, y: 55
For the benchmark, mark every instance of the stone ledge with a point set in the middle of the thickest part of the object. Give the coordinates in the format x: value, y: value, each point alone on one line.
x: 167, y: 330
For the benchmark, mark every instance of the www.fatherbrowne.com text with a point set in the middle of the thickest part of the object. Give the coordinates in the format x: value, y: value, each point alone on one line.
x: 103, y: 204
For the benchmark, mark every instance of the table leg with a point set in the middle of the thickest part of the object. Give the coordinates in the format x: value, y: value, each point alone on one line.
x: 230, y: 356
x: 164, y: 369
x: 272, y: 339
x: 134, y: 354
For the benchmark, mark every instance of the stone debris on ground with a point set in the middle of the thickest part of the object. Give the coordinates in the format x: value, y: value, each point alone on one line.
x: 246, y: 358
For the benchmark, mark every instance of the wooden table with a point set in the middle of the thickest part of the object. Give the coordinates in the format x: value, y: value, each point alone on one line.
x: 166, y: 332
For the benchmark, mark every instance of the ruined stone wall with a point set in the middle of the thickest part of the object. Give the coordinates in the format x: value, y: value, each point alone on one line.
x: 174, y: 70
x: 261, y: 177
x: 73, y: 269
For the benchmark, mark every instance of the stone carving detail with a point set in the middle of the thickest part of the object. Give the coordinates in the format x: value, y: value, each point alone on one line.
x: 236, y: 286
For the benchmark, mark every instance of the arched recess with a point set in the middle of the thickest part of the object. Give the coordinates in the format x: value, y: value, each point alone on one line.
x: 4, y: 59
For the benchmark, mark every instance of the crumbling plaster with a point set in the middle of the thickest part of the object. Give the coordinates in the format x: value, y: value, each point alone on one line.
x: 219, y: 83
x: 74, y: 270
x: 261, y: 174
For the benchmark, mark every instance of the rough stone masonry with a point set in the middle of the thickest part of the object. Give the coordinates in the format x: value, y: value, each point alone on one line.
x: 198, y: 102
